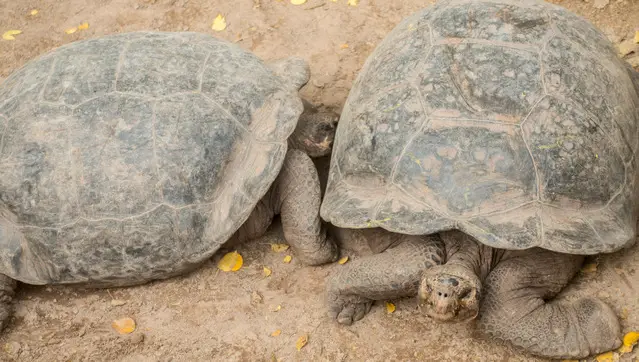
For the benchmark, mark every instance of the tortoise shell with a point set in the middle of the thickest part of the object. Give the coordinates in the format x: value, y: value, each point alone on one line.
x: 512, y: 121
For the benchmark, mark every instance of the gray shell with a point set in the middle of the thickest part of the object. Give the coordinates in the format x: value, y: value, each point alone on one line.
x: 512, y: 121
x: 134, y: 157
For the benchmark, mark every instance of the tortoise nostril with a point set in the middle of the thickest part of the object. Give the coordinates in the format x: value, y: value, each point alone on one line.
x: 445, y: 295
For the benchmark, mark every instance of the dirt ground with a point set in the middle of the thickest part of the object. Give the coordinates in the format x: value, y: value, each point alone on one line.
x: 210, y: 315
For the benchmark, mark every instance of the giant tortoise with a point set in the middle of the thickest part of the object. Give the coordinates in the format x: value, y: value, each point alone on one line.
x: 486, y: 147
x: 134, y: 157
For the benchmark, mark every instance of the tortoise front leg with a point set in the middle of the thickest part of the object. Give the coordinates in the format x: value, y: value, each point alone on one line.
x: 517, y: 307
x: 299, y: 200
x: 393, y: 273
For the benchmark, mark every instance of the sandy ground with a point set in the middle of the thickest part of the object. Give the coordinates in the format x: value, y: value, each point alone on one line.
x: 209, y: 315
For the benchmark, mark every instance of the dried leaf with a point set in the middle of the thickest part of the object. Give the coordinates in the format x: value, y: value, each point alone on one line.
x: 343, y: 260
x: 34, y: 12
x: 298, y: 2
x: 9, y: 34
x: 606, y: 357
x: 390, y: 307
x: 287, y: 259
x: 124, y: 325
x: 276, y: 333
x: 219, y: 23
x: 343, y: 46
x: 589, y: 268
x: 276, y: 309
x: 231, y: 262
x: 278, y: 248
x: 266, y: 272
x: 71, y: 30
x: 301, y: 342
x: 629, y: 341
x: 83, y: 26
x: 353, y: 2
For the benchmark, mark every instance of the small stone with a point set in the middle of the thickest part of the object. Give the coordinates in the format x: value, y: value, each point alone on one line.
x: 256, y: 298
x: 600, y: 4
x: 603, y: 295
x: 12, y: 348
x: 137, y: 338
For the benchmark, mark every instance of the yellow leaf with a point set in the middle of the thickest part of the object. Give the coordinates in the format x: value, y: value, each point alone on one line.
x: 277, y: 309
x: 298, y: 2
x: 629, y: 341
x: 589, y: 268
x: 287, y: 259
x: 9, y: 34
x: 124, y: 325
x: 390, y: 307
x: 34, y: 12
x: 83, y: 26
x: 219, y: 23
x: 606, y: 357
x: 71, y: 30
x: 342, y: 260
x: 266, y: 272
x: 301, y: 342
x: 344, y: 46
x: 352, y: 2
x: 276, y: 333
x: 637, y: 36
x: 231, y: 262
x: 278, y: 248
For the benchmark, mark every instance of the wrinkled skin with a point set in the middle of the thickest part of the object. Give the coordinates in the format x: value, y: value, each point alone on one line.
x: 457, y: 279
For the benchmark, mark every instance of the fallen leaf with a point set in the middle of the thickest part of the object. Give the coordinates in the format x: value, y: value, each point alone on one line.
x: 343, y: 260
x: 298, y: 2
x: 343, y: 46
x: 606, y: 357
x: 276, y: 309
x: 301, y: 342
x: 276, y: 333
x: 219, y: 23
x: 629, y: 341
x: 287, y: 259
x: 352, y: 2
x: 589, y: 268
x: 83, y: 26
x: 231, y: 262
x: 117, y: 302
x: 71, y: 30
x: 266, y: 272
x: 124, y: 325
x: 9, y: 34
x: 278, y: 248
x: 34, y: 12
x: 390, y: 307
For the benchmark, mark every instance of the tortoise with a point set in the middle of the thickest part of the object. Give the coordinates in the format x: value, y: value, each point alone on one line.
x: 485, y: 149
x: 135, y: 157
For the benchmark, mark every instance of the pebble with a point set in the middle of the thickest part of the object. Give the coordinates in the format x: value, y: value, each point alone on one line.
x: 12, y: 348
x: 137, y: 338
x: 600, y: 4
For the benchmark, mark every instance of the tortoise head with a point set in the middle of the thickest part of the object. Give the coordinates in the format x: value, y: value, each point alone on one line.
x: 448, y: 293
x: 315, y: 131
